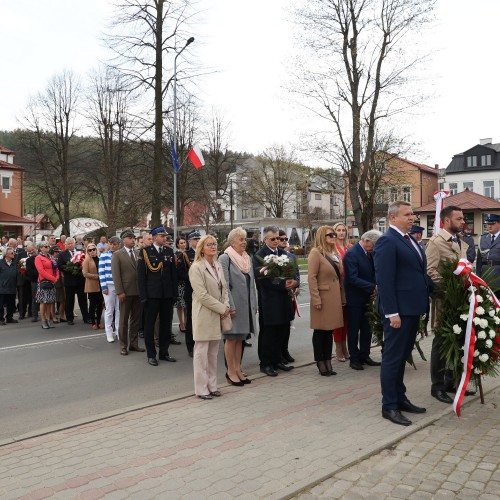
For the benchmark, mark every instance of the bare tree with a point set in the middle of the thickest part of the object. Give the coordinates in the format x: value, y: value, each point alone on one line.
x: 356, y: 77
x: 146, y: 36
x: 273, y: 180
x: 50, y: 122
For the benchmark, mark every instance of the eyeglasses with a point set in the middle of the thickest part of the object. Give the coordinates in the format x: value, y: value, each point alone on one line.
x: 211, y: 245
x: 274, y: 238
x: 92, y: 249
x: 330, y: 235
x: 283, y: 239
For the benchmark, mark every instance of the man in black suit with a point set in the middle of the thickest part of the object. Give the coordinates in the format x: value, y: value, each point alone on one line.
x: 360, y: 290
x: 157, y: 279
x: 403, y: 295
x: 73, y: 285
x: 275, y: 308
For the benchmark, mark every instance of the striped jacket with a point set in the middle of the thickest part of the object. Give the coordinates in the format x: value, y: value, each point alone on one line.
x: 105, y: 276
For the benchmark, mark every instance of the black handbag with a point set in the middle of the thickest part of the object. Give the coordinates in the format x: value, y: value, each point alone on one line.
x: 46, y: 285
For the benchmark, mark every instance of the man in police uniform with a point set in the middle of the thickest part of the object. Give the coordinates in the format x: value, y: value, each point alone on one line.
x: 157, y: 278
x: 416, y: 232
x: 488, y: 253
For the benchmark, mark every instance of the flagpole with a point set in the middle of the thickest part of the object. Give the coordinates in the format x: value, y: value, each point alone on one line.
x: 190, y: 40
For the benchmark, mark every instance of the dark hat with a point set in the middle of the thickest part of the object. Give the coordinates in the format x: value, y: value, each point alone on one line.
x: 492, y: 218
x: 416, y: 229
x: 54, y: 249
x: 157, y: 230
x: 127, y: 233
x: 89, y: 238
x: 194, y: 235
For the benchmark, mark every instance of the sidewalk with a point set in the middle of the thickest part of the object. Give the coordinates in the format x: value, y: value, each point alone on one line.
x: 271, y: 439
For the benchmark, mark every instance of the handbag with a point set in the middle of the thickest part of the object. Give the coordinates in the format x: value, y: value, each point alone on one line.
x: 46, y: 285
x: 226, y: 324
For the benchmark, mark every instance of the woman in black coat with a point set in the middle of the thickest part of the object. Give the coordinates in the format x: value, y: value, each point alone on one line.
x: 8, y: 283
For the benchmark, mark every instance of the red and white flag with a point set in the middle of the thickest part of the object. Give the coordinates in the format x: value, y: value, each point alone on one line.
x: 196, y: 157
x: 439, y: 197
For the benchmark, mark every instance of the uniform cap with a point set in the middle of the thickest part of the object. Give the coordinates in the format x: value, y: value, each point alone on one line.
x: 416, y: 229
x: 158, y: 230
x: 492, y: 218
x: 194, y: 235
x: 127, y: 233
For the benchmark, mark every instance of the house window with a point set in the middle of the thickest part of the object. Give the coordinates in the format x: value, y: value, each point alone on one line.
x: 394, y: 194
x: 317, y: 196
x: 485, y: 160
x: 6, y: 184
x: 469, y: 186
x: 407, y: 193
x: 381, y: 225
x: 472, y: 161
x: 453, y: 188
x: 489, y: 189
x: 244, y: 213
x: 254, y: 212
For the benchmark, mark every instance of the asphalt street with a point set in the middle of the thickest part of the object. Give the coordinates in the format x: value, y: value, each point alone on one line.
x: 50, y: 377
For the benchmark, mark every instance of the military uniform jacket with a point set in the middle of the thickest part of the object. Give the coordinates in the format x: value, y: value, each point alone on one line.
x: 488, y: 257
x: 156, y: 273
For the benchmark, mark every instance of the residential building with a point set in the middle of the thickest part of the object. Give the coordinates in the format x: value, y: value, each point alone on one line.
x: 12, y: 217
x: 477, y: 169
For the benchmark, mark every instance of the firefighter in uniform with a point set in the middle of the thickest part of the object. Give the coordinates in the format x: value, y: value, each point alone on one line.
x: 157, y: 278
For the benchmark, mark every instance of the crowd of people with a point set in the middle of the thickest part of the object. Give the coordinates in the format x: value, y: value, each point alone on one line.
x: 130, y: 287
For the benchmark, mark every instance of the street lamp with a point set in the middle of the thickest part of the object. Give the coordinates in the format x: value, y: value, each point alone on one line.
x: 189, y: 41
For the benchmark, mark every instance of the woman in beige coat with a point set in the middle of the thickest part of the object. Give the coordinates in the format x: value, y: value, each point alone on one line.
x: 324, y: 274
x: 92, y: 285
x: 210, y: 305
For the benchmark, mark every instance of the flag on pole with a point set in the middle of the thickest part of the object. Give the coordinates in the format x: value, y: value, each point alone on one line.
x: 196, y: 157
x: 175, y: 159
x: 439, y: 197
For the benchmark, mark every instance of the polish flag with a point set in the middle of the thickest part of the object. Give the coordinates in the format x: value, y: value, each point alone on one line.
x: 196, y: 157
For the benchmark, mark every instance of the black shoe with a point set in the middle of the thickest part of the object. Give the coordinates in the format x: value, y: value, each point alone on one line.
x: 206, y: 397
x: 71, y: 322
x: 355, y: 365
x: 442, y: 396
x: 467, y: 392
x: 410, y: 408
x: 34, y: 320
x: 2, y: 323
x: 232, y: 382
x: 247, y: 344
x: 12, y: 320
x: 285, y: 368
x: 369, y: 361
x: 269, y: 371
x: 22, y: 317
x: 167, y: 358
x: 283, y: 361
x: 174, y: 341
x: 190, y: 354
x: 88, y: 321
x: 395, y: 417
x: 286, y: 356
x: 152, y: 361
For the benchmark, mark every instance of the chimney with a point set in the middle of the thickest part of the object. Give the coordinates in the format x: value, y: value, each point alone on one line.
x: 487, y: 140
x: 436, y: 166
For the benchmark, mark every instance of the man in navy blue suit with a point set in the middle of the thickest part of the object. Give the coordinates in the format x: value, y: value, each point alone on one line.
x: 360, y: 290
x: 403, y: 295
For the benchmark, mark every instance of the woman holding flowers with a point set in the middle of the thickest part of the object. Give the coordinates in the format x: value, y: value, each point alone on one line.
x: 210, y: 306
x: 324, y: 276
x: 340, y: 334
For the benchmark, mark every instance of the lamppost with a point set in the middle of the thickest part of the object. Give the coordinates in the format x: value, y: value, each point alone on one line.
x: 189, y: 41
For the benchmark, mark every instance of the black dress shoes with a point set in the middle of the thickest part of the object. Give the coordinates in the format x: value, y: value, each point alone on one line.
x: 269, y: 371
x: 167, y: 358
x: 410, y: 407
x: 12, y: 320
x: 286, y: 356
x: 152, y: 361
x: 395, y: 417
x: 370, y: 362
x: 247, y: 344
x: 285, y: 368
x: 70, y: 322
x: 355, y: 365
x: 467, y: 392
x: 442, y: 396
x: 136, y: 349
x: 174, y: 341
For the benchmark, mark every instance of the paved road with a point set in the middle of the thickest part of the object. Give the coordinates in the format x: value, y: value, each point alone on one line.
x: 54, y: 376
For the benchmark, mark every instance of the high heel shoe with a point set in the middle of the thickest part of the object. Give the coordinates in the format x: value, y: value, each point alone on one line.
x: 325, y: 372
x: 239, y: 383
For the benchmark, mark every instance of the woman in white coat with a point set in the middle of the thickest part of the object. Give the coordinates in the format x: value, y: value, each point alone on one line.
x: 210, y: 305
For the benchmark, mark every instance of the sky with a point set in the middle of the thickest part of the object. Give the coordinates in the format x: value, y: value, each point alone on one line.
x: 248, y: 47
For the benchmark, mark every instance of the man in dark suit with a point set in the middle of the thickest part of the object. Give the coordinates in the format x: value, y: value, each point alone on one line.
x: 73, y: 285
x: 360, y: 290
x: 275, y: 308
x: 157, y: 278
x: 403, y: 295
x: 124, y: 273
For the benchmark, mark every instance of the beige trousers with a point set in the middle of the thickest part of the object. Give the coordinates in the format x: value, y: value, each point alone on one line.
x: 205, y: 366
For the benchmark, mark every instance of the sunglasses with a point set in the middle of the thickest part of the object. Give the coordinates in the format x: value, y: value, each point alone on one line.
x: 92, y: 249
x: 330, y: 235
x: 274, y: 238
x: 283, y: 239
